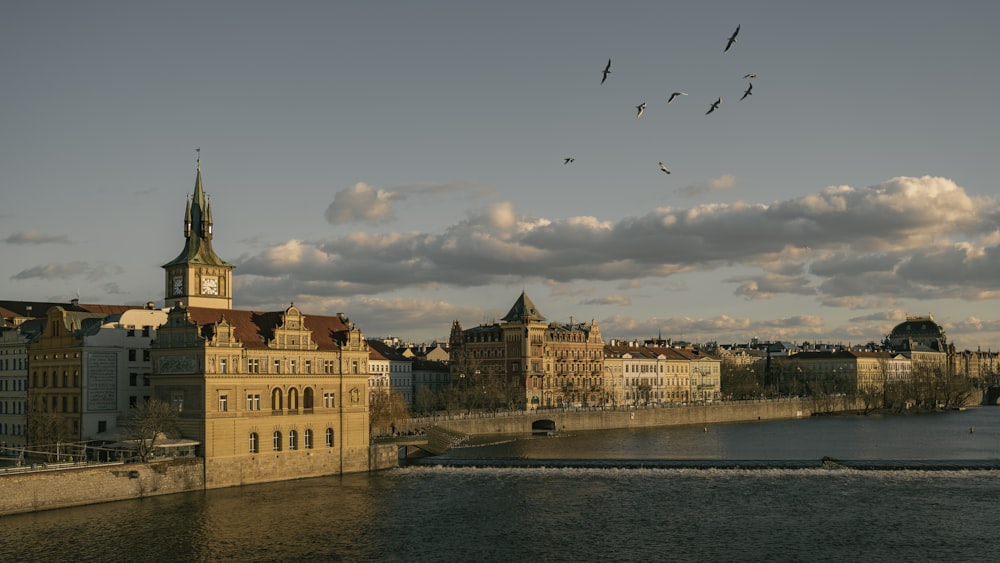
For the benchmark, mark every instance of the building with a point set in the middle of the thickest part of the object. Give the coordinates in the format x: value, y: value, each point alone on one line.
x: 14, y: 342
x: 398, y: 370
x: 552, y: 364
x: 80, y: 368
x: 270, y: 395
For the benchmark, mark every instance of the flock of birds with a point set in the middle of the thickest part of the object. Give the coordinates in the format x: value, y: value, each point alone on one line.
x: 714, y: 106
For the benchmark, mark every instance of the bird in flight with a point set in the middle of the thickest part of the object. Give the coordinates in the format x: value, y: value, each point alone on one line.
x: 568, y: 159
x: 749, y: 87
x: 675, y: 94
x: 664, y: 168
x: 751, y: 75
x: 715, y: 106
x: 732, y: 39
x: 641, y: 108
x: 607, y: 71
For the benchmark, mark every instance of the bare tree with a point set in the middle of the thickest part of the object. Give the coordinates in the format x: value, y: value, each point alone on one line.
x: 385, y: 410
x: 149, y: 422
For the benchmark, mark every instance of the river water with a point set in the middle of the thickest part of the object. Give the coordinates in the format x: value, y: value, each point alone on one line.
x: 896, y: 488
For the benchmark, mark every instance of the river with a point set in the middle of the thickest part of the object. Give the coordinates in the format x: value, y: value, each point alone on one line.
x: 900, y: 488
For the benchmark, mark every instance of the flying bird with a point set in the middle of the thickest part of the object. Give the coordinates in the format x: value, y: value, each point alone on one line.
x: 732, y: 39
x: 749, y: 87
x: 715, y: 106
x: 675, y: 94
x: 641, y: 108
x: 751, y: 75
x: 607, y: 71
x: 664, y: 168
x: 568, y: 159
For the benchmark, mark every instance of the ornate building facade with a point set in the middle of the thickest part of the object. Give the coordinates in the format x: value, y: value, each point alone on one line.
x: 270, y: 395
x: 553, y: 364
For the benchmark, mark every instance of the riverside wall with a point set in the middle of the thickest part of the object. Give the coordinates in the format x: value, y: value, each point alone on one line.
x: 574, y: 420
x: 77, y: 486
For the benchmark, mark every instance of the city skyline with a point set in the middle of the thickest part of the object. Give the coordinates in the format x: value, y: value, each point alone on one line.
x: 406, y: 163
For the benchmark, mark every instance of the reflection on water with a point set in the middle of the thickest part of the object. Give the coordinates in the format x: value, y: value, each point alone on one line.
x: 431, y: 513
x: 932, y: 436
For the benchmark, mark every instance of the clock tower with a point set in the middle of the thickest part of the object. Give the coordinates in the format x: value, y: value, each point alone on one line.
x: 198, y: 277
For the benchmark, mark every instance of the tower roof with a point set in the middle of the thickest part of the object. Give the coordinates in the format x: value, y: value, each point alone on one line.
x: 198, y: 230
x: 523, y: 309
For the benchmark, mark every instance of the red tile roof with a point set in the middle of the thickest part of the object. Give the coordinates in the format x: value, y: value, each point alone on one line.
x: 254, y: 329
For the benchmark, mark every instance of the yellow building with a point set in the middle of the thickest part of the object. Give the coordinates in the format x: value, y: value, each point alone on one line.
x: 270, y: 395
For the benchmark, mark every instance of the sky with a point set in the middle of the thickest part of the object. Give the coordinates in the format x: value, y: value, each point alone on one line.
x: 403, y: 162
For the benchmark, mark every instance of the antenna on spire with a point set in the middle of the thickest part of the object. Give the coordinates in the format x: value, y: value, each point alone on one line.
x: 198, y: 150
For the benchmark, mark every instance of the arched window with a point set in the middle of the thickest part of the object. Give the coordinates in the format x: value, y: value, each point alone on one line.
x: 329, y: 437
x: 276, y: 400
x: 293, y: 399
x: 307, y: 439
x: 293, y: 440
x: 307, y: 398
x: 254, y: 443
x: 276, y: 441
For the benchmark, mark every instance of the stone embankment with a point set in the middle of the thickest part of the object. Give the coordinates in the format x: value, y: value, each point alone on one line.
x: 575, y: 420
x: 92, y: 484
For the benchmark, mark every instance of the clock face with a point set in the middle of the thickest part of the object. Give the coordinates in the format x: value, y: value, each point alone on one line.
x: 210, y: 286
x: 178, y: 285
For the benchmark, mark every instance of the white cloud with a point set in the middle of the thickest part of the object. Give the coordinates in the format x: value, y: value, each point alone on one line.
x: 708, y: 186
x: 36, y: 237
x: 360, y: 202
x: 364, y: 204
x: 847, y: 247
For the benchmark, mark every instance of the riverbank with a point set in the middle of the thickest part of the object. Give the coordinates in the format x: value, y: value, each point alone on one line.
x: 572, y: 420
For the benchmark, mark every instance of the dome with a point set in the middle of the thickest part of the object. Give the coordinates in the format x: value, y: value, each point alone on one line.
x: 920, y: 332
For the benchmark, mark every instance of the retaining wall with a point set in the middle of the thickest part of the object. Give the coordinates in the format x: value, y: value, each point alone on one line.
x: 577, y: 420
x: 43, y: 490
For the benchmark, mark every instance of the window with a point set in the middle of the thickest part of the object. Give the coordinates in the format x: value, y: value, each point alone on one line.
x: 254, y: 443
x: 145, y: 355
x: 177, y: 400
x: 222, y: 365
x: 309, y: 366
x: 277, y: 366
x: 102, y: 425
x: 329, y: 437
x: 276, y: 441
x: 223, y: 403
x: 253, y: 366
x: 131, y: 354
x: 253, y: 402
x: 145, y: 380
x: 133, y: 379
x: 329, y: 400
x: 133, y: 401
x: 145, y: 330
x: 307, y: 439
x: 293, y: 439
x: 354, y: 366
x: 291, y: 366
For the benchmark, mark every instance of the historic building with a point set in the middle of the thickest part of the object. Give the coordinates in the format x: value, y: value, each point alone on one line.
x: 270, y: 395
x: 86, y: 368
x: 553, y: 364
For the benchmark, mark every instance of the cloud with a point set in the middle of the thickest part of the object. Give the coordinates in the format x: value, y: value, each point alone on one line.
x: 36, y: 237
x: 615, y: 299
x: 365, y: 204
x: 362, y: 203
x: 906, y: 237
x: 66, y: 270
x: 708, y: 186
x: 53, y: 270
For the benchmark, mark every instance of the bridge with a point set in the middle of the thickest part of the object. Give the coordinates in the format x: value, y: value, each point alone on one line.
x: 992, y: 396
